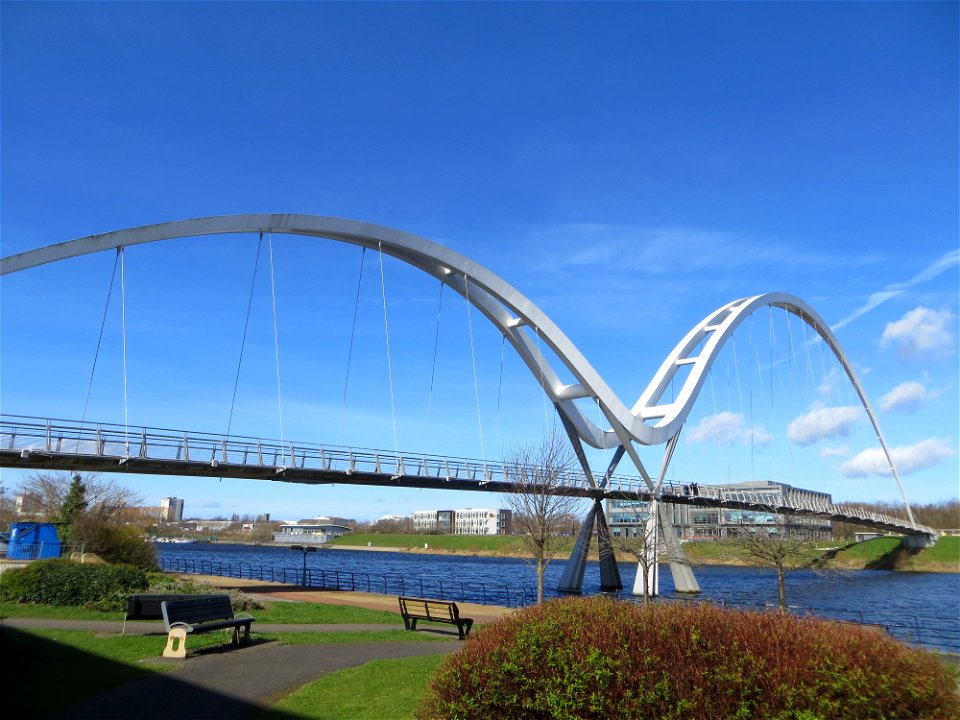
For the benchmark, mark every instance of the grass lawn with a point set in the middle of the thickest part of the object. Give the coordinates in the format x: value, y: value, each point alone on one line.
x: 274, y: 612
x: 461, y: 543
x: 379, y: 690
x: 946, y: 550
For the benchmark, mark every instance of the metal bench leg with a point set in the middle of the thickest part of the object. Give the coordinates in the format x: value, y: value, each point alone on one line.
x: 176, y: 643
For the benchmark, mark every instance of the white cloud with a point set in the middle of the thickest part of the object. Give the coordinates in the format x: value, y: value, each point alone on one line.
x: 655, y: 250
x: 823, y: 422
x: 905, y: 397
x: 727, y: 427
x: 942, y: 263
x: 830, y: 382
x: 908, y: 458
x: 921, y: 330
x: 841, y: 451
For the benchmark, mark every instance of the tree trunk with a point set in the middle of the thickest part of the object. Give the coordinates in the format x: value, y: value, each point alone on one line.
x: 540, y: 571
x: 781, y: 587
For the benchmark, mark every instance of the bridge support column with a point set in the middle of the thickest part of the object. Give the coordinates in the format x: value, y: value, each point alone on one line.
x: 918, y: 542
x: 572, y: 579
x: 683, y: 578
x: 609, y: 572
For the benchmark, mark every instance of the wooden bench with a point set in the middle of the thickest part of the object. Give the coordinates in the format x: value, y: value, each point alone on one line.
x: 198, y: 614
x: 443, y: 611
x: 147, y: 607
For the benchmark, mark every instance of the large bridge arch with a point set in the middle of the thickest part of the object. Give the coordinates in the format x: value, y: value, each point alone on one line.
x: 648, y: 422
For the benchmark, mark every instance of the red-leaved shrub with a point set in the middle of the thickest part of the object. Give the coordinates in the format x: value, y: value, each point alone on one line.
x: 603, y: 658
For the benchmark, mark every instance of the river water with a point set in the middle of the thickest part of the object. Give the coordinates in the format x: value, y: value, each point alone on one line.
x: 923, y: 608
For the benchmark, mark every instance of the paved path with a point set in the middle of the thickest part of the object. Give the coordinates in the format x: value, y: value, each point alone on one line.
x: 235, y: 683
x: 239, y: 682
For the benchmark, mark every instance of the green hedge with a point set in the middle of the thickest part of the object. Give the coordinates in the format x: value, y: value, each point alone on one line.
x: 603, y: 658
x: 63, y: 582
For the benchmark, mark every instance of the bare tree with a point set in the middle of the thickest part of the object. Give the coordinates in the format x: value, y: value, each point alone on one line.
x: 786, y: 546
x: 45, y: 493
x: 541, y: 516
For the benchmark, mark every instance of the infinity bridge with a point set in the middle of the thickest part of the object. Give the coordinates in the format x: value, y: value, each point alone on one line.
x: 590, y: 412
x: 31, y: 443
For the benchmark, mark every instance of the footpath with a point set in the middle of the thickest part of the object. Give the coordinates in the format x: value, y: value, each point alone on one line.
x: 237, y: 683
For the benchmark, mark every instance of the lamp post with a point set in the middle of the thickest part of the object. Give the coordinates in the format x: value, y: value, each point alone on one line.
x: 304, y: 549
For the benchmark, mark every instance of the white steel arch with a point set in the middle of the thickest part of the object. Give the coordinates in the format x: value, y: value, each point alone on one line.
x: 649, y: 422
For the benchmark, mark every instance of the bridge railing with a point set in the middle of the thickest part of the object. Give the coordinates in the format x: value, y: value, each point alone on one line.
x: 57, y: 436
x: 28, y: 434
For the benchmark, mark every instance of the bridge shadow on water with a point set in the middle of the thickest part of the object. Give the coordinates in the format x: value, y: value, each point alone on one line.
x: 43, y: 678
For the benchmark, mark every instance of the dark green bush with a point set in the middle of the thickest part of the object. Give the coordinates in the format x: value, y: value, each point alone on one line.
x: 602, y: 658
x: 115, y: 544
x: 63, y: 582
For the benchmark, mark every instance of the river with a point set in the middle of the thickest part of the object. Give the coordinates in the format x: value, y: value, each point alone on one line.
x: 918, y: 607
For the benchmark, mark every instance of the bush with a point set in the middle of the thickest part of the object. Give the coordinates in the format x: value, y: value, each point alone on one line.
x: 62, y: 582
x: 117, y: 544
x: 603, y: 658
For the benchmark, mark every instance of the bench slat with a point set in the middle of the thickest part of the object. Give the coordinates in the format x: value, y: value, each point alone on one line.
x: 413, y: 609
x: 200, y: 614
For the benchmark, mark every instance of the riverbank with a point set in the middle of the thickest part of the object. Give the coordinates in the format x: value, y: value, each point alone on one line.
x: 877, y: 554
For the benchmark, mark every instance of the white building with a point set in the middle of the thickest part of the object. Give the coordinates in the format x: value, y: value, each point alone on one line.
x: 466, y: 521
x: 171, y: 509
x: 309, y: 533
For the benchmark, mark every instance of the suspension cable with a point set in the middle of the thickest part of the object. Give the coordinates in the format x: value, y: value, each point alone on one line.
x: 246, y: 325
x: 276, y: 343
x: 503, y: 342
x: 96, y: 354
x: 123, y: 333
x: 433, y: 370
x: 353, y: 332
x: 473, y: 360
x: 386, y: 330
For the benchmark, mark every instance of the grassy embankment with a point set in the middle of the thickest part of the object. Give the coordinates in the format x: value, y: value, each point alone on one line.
x: 882, y: 553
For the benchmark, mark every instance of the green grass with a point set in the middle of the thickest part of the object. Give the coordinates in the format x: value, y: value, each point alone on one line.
x: 379, y: 690
x: 946, y: 550
x: 54, y: 612
x: 869, y: 551
x: 350, y: 636
x: 83, y: 664
x: 314, y: 613
x: 292, y: 613
x: 458, y: 543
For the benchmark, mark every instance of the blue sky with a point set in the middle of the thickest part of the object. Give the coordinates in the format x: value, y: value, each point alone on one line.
x: 629, y: 167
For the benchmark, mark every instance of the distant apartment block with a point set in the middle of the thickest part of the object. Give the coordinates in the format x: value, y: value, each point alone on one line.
x: 466, y: 521
x: 171, y: 509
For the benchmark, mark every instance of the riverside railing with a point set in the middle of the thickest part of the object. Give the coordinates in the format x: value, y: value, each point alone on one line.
x: 388, y: 584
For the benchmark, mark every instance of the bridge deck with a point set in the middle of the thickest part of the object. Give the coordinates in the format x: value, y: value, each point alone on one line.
x: 32, y: 443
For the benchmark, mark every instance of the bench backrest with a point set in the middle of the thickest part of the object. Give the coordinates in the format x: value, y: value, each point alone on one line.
x: 430, y: 608
x: 197, y: 609
x: 147, y: 607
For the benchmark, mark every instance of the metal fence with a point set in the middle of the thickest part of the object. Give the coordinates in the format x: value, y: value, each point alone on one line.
x: 389, y: 584
x: 37, y: 551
